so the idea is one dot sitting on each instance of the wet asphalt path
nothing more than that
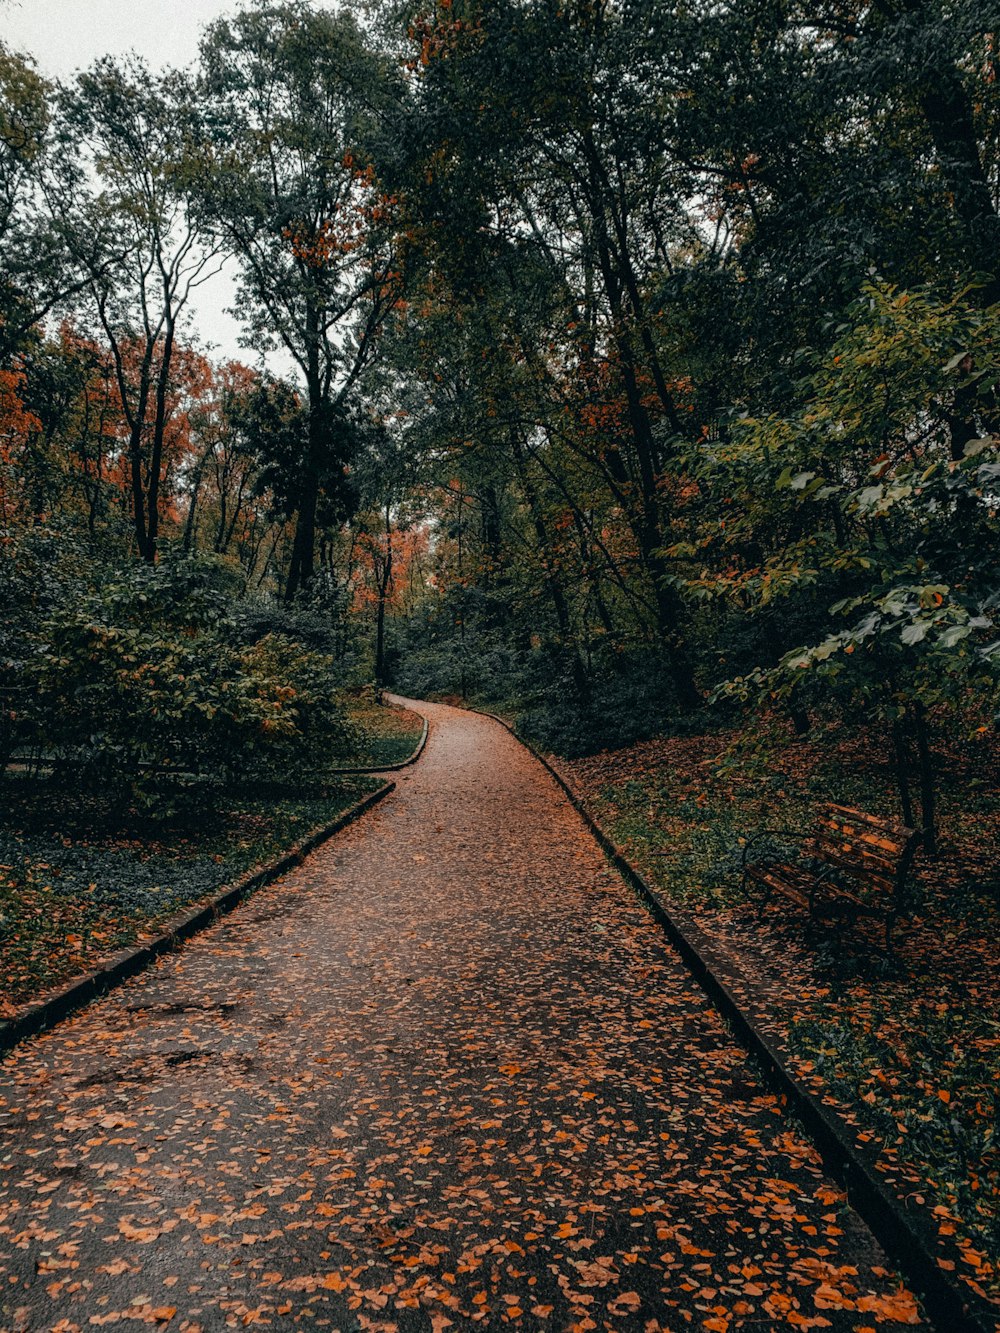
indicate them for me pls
(446, 1074)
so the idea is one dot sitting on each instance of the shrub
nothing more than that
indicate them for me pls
(141, 679)
(305, 727)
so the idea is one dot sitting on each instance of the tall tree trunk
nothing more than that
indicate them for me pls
(948, 113)
(626, 274)
(303, 561)
(189, 522)
(928, 794)
(648, 528)
(901, 767)
(135, 417)
(553, 586)
(380, 625)
(384, 585)
(156, 453)
(650, 537)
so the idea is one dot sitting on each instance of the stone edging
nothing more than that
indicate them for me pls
(907, 1238)
(63, 1000)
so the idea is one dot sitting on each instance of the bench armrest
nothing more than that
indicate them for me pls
(828, 874)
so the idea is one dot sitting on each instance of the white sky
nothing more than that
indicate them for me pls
(65, 35)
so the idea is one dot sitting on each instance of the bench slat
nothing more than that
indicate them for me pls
(887, 844)
(880, 874)
(794, 883)
(881, 824)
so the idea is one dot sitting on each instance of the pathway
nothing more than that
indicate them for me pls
(446, 1074)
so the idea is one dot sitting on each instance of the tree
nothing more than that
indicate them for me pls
(142, 243)
(37, 272)
(877, 513)
(295, 96)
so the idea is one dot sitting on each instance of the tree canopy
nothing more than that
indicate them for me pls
(641, 357)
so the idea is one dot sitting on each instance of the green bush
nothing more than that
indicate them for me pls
(140, 679)
(305, 728)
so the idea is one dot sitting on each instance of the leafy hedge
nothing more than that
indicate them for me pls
(139, 675)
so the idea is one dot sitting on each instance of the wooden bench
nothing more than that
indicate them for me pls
(852, 864)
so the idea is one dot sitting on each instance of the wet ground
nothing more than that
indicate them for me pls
(446, 1074)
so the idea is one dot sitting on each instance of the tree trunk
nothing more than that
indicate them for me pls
(135, 418)
(901, 769)
(303, 561)
(380, 640)
(948, 113)
(800, 719)
(156, 453)
(928, 804)
(198, 476)
(554, 588)
(384, 585)
(647, 528)
(189, 522)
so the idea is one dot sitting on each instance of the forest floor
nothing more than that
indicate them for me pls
(907, 1047)
(81, 877)
(446, 1073)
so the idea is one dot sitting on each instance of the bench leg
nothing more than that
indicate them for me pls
(890, 922)
(764, 898)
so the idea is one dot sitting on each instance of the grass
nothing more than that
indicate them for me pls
(908, 1046)
(80, 879)
(389, 735)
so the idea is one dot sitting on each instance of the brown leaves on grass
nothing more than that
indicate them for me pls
(77, 887)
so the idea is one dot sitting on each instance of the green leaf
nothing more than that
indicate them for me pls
(954, 634)
(915, 632)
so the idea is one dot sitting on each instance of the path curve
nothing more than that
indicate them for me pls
(446, 1074)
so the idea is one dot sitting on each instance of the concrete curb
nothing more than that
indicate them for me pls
(907, 1237)
(58, 1003)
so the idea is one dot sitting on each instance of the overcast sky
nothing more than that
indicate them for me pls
(64, 35)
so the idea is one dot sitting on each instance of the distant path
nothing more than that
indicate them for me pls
(447, 1073)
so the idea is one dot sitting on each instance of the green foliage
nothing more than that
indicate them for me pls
(24, 122)
(945, 1117)
(140, 681)
(303, 725)
(896, 523)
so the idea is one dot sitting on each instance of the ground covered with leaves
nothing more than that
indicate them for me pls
(81, 877)
(446, 1074)
(387, 734)
(907, 1046)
